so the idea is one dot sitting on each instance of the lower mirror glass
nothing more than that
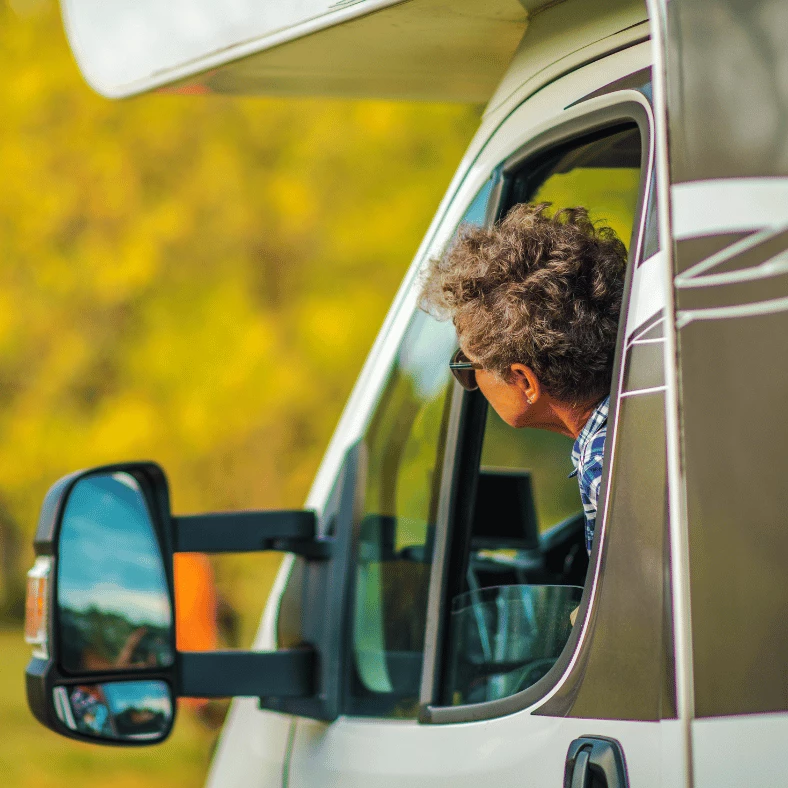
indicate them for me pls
(117, 711)
(505, 638)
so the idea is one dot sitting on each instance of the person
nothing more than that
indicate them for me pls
(535, 300)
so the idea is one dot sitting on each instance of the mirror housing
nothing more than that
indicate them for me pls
(100, 607)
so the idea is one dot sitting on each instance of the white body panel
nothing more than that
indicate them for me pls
(754, 741)
(510, 752)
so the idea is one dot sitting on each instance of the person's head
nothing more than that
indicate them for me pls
(535, 300)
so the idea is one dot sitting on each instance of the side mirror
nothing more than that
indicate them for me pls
(100, 609)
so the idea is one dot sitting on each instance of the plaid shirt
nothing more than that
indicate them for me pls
(587, 455)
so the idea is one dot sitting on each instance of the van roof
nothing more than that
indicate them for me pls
(446, 50)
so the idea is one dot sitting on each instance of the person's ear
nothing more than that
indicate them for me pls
(526, 381)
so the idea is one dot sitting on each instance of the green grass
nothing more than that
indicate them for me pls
(31, 756)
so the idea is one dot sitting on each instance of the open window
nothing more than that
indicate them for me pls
(516, 556)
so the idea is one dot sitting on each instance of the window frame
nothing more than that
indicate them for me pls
(465, 435)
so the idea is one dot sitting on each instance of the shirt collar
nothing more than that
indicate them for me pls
(597, 419)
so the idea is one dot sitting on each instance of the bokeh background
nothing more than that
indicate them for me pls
(194, 280)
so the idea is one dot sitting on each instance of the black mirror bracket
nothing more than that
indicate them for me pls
(288, 673)
(293, 531)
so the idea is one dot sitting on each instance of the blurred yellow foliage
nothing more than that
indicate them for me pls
(193, 280)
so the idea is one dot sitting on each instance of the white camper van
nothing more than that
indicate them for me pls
(418, 633)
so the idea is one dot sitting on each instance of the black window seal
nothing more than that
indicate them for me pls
(456, 481)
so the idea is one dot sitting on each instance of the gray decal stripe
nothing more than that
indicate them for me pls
(774, 265)
(724, 205)
(685, 317)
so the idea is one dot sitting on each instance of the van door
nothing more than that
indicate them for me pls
(602, 701)
(726, 169)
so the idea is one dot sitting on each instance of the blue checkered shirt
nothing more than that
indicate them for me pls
(587, 455)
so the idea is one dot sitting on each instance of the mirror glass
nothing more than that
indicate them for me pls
(114, 610)
(118, 711)
(505, 638)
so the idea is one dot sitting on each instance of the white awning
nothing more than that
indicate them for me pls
(453, 50)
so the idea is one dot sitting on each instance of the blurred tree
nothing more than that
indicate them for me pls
(193, 280)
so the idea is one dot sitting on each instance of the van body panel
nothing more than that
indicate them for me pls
(252, 749)
(722, 108)
(562, 38)
(514, 751)
(756, 741)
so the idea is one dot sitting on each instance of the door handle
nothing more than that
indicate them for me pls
(595, 762)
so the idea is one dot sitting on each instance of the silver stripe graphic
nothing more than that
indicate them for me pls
(688, 316)
(727, 205)
(635, 392)
(694, 276)
(648, 292)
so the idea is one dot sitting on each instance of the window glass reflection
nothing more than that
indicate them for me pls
(114, 606)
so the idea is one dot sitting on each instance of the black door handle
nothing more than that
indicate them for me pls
(595, 762)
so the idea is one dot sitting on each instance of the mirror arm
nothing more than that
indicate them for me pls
(292, 531)
(289, 673)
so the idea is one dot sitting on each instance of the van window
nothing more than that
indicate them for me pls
(404, 446)
(526, 561)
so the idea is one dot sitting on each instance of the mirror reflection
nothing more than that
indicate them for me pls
(117, 711)
(114, 609)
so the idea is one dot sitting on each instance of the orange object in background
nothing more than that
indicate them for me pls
(196, 601)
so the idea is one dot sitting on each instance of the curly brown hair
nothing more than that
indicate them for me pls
(538, 289)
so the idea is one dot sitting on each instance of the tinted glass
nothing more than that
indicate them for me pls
(505, 638)
(405, 452)
(405, 447)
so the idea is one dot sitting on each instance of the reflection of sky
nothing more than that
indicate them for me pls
(426, 360)
(478, 208)
(108, 554)
(139, 694)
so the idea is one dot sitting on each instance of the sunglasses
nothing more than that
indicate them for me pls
(464, 370)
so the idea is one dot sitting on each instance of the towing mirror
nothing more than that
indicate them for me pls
(100, 609)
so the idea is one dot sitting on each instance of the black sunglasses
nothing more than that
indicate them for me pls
(464, 370)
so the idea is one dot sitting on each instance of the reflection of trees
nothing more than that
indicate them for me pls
(94, 639)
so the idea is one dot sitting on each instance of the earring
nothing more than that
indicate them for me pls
(530, 401)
